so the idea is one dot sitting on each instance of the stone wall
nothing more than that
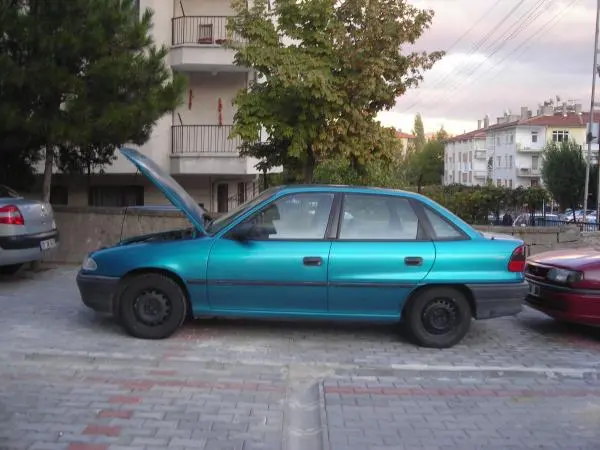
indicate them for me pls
(84, 229)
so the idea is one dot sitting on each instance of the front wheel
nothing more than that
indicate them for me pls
(438, 317)
(151, 306)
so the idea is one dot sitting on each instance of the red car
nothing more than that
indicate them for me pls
(565, 284)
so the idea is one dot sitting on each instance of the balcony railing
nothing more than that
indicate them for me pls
(202, 30)
(528, 172)
(187, 139)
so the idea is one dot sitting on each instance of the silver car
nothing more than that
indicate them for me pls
(27, 230)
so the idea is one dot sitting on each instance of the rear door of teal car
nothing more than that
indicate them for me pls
(382, 253)
(280, 272)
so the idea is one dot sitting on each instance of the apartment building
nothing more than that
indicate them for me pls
(465, 158)
(512, 147)
(405, 139)
(193, 142)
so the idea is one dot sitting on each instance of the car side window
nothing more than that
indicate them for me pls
(296, 216)
(371, 217)
(441, 228)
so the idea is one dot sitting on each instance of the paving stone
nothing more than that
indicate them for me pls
(225, 384)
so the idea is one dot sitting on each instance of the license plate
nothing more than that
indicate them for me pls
(48, 244)
(534, 290)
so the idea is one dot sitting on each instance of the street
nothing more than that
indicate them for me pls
(70, 379)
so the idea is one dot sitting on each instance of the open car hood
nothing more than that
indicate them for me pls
(168, 186)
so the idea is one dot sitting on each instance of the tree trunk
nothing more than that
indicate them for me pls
(309, 167)
(48, 173)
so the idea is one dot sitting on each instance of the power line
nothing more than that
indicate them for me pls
(521, 25)
(535, 35)
(475, 47)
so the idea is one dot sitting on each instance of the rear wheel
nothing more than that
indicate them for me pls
(438, 317)
(151, 306)
(10, 270)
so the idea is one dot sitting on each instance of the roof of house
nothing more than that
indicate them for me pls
(556, 120)
(403, 135)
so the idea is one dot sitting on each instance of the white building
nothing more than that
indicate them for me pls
(192, 143)
(465, 159)
(512, 147)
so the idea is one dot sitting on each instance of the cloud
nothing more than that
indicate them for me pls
(550, 53)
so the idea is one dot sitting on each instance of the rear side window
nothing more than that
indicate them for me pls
(371, 217)
(5, 192)
(443, 229)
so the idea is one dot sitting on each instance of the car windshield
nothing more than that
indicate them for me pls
(218, 224)
(5, 191)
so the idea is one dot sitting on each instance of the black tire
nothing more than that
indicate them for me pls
(151, 306)
(438, 317)
(10, 270)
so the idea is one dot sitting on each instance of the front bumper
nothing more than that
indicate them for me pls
(97, 292)
(565, 303)
(498, 300)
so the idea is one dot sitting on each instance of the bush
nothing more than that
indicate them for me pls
(474, 203)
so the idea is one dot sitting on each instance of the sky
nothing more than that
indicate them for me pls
(500, 55)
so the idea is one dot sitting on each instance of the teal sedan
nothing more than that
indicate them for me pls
(309, 252)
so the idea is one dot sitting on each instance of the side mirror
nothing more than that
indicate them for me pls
(248, 231)
(242, 232)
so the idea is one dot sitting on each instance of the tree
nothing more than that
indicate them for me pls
(563, 172)
(326, 69)
(418, 130)
(441, 135)
(91, 78)
(427, 165)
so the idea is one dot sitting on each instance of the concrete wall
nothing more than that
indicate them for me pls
(85, 229)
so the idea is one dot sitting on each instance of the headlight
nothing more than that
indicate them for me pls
(89, 264)
(564, 276)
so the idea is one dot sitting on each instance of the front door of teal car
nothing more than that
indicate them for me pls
(275, 261)
(381, 254)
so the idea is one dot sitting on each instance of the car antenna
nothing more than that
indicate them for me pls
(125, 212)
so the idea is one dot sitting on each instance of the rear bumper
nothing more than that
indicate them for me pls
(97, 292)
(27, 241)
(24, 248)
(567, 304)
(498, 300)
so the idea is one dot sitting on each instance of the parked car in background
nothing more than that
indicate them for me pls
(311, 252)
(565, 284)
(27, 230)
(537, 220)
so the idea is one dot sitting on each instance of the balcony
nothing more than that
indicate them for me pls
(479, 154)
(528, 172)
(207, 150)
(198, 45)
(479, 174)
(529, 148)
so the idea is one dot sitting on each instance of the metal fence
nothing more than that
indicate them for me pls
(202, 30)
(543, 222)
(203, 139)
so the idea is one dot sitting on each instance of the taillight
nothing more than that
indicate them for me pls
(10, 215)
(517, 259)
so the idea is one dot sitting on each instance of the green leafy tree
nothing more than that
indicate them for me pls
(441, 135)
(418, 131)
(427, 165)
(563, 172)
(321, 92)
(91, 78)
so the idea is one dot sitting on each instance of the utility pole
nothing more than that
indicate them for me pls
(591, 120)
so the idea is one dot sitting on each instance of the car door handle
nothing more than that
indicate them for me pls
(312, 261)
(413, 261)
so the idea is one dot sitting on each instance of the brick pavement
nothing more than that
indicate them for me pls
(70, 379)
